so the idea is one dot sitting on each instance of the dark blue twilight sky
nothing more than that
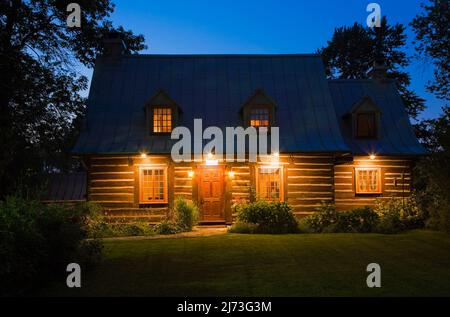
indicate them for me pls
(260, 26)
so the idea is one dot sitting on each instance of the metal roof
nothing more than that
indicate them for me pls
(213, 88)
(396, 135)
(66, 187)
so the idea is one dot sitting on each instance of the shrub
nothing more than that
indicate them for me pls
(242, 227)
(326, 216)
(268, 217)
(99, 227)
(398, 214)
(362, 220)
(37, 242)
(432, 174)
(167, 227)
(109, 230)
(327, 219)
(439, 211)
(186, 214)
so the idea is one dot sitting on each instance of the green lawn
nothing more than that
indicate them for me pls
(413, 264)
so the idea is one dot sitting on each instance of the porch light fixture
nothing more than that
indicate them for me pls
(372, 156)
(143, 155)
(275, 159)
(231, 174)
(191, 174)
(210, 161)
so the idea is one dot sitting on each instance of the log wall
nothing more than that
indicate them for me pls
(392, 182)
(113, 182)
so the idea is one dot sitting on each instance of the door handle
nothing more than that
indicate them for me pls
(202, 201)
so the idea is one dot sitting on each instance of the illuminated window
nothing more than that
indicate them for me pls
(368, 180)
(366, 125)
(259, 117)
(153, 185)
(162, 120)
(270, 183)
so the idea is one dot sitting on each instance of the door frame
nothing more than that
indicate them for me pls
(199, 174)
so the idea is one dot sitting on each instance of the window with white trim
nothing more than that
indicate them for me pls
(153, 185)
(368, 180)
(269, 183)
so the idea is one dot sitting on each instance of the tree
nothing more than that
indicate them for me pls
(433, 40)
(40, 102)
(433, 171)
(352, 50)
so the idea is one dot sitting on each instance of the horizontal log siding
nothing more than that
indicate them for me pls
(113, 184)
(391, 168)
(309, 181)
(238, 188)
(183, 184)
(241, 183)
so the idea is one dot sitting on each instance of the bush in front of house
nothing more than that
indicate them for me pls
(243, 227)
(99, 227)
(357, 220)
(183, 218)
(325, 217)
(38, 241)
(265, 217)
(112, 230)
(328, 220)
(167, 226)
(399, 214)
(389, 216)
(186, 214)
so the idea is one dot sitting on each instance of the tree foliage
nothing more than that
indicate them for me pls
(40, 85)
(352, 50)
(433, 40)
(433, 171)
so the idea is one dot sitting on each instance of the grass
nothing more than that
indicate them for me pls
(413, 264)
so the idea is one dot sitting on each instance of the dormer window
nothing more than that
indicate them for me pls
(259, 117)
(366, 125)
(162, 113)
(259, 110)
(366, 118)
(162, 120)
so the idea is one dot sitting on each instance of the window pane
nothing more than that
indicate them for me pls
(259, 117)
(153, 183)
(368, 181)
(365, 126)
(162, 120)
(269, 184)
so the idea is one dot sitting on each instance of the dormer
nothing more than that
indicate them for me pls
(366, 119)
(162, 113)
(259, 110)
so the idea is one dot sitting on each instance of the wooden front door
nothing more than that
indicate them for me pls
(211, 193)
